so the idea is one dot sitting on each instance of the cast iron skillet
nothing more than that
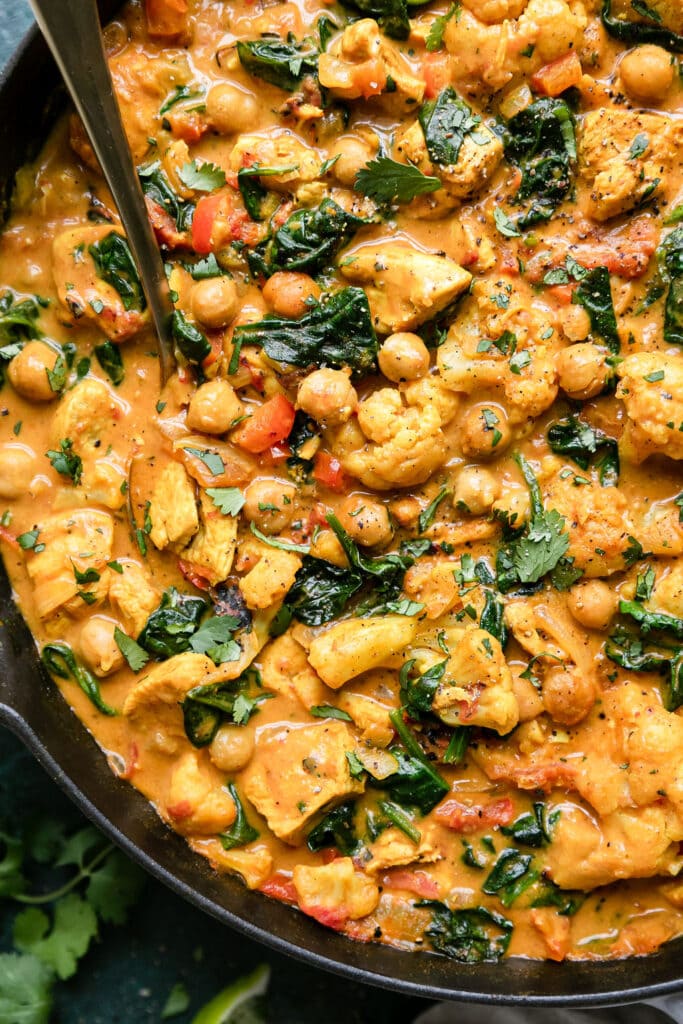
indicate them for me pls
(32, 706)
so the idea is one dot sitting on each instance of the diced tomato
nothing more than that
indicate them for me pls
(436, 71)
(280, 887)
(327, 470)
(329, 854)
(191, 573)
(275, 455)
(470, 818)
(215, 340)
(562, 292)
(180, 811)
(330, 917)
(203, 222)
(164, 226)
(508, 262)
(552, 79)
(166, 18)
(270, 423)
(9, 538)
(417, 881)
(187, 125)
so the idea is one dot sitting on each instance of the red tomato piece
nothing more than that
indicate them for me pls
(327, 470)
(552, 79)
(270, 423)
(417, 881)
(280, 887)
(471, 818)
(166, 18)
(436, 72)
(203, 222)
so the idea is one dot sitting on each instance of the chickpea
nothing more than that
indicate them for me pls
(403, 356)
(575, 322)
(215, 302)
(568, 695)
(28, 371)
(405, 510)
(213, 407)
(484, 432)
(289, 294)
(647, 72)
(582, 370)
(269, 503)
(230, 110)
(354, 154)
(231, 748)
(17, 468)
(365, 520)
(328, 396)
(475, 490)
(528, 699)
(98, 646)
(592, 603)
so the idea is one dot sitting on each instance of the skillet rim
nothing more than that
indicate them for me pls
(32, 707)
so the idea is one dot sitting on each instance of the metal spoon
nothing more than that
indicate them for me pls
(72, 31)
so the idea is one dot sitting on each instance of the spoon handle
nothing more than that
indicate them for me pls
(72, 31)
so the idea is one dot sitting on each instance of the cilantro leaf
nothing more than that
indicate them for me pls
(541, 549)
(386, 181)
(205, 177)
(74, 926)
(505, 224)
(435, 35)
(66, 461)
(25, 989)
(214, 638)
(136, 656)
(177, 1002)
(12, 855)
(114, 887)
(229, 500)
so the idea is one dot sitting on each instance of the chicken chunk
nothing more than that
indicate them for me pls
(405, 443)
(85, 293)
(271, 578)
(405, 286)
(153, 705)
(253, 863)
(651, 388)
(74, 541)
(625, 157)
(476, 688)
(173, 508)
(335, 893)
(279, 148)
(393, 849)
(85, 414)
(285, 670)
(296, 772)
(195, 804)
(362, 63)
(133, 596)
(213, 547)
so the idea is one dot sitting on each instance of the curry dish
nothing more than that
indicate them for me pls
(380, 599)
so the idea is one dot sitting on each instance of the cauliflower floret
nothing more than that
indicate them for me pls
(195, 804)
(133, 596)
(405, 287)
(335, 893)
(173, 508)
(651, 387)
(557, 27)
(491, 11)
(393, 849)
(213, 547)
(362, 62)
(477, 685)
(617, 176)
(73, 541)
(296, 771)
(667, 595)
(82, 292)
(353, 646)
(279, 148)
(405, 443)
(84, 414)
(598, 524)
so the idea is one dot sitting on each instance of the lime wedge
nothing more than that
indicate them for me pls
(239, 1003)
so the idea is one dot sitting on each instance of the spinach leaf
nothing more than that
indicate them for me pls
(457, 745)
(540, 140)
(109, 358)
(114, 264)
(387, 181)
(595, 295)
(308, 241)
(391, 15)
(321, 591)
(649, 31)
(394, 815)
(417, 695)
(281, 63)
(157, 188)
(493, 617)
(509, 867)
(670, 260)
(254, 195)
(18, 321)
(472, 936)
(415, 783)
(189, 339)
(59, 660)
(385, 572)
(629, 651)
(566, 901)
(169, 629)
(445, 122)
(533, 828)
(426, 517)
(336, 332)
(336, 829)
(240, 832)
(572, 437)
(652, 621)
(206, 707)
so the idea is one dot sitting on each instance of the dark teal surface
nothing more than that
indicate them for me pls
(126, 977)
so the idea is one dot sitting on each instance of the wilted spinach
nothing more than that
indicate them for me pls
(445, 123)
(670, 260)
(470, 936)
(580, 441)
(115, 265)
(308, 241)
(415, 783)
(336, 332)
(533, 828)
(336, 829)
(190, 340)
(540, 140)
(156, 187)
(59, 660)
(650, 30)
(205, 708)
(628, 650)
(281, 63)
(169, 629)
(417, 695)
(391, 15)
(321, 591)
(109, 357)
(595, 295)
(240, 832)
